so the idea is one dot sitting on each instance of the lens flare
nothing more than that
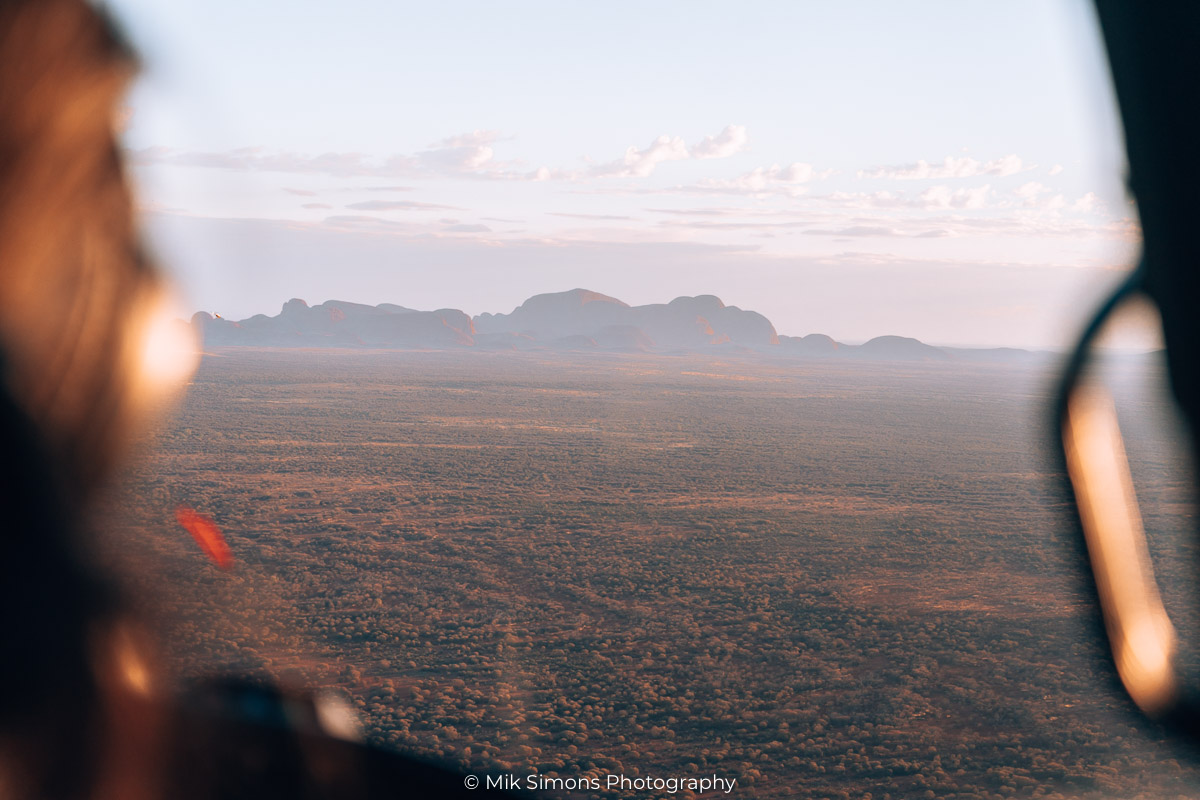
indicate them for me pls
(207, 535)
(1140, 632)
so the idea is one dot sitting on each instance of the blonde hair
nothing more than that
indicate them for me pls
(73, 276)
(74, 285)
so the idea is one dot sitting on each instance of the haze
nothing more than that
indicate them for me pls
(943, 171)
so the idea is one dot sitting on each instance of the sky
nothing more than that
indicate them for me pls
(945, 170)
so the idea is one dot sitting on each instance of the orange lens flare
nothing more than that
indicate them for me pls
(207, 535)
(1140, 632)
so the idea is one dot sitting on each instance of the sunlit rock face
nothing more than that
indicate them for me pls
(900, 348)
(558, 315)
(815, 345)
(685, 322)
(578, 320)
(338, 323)
(624, 337)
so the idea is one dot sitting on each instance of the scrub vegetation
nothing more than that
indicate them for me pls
(824, 579)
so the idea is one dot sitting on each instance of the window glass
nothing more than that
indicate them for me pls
(639, 391)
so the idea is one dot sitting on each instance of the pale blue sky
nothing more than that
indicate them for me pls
(472, 154)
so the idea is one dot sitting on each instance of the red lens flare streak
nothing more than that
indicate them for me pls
(207, 535)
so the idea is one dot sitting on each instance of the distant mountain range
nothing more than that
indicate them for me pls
(578, 320)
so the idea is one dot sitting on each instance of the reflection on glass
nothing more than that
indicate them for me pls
(1142, 637)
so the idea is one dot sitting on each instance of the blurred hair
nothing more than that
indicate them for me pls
(72, 274)
(73, 281)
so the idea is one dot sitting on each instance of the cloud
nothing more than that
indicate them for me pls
(788, 179)
(316, 205)
(589, 216)
(1029, 201)
(363, 221)
(258, 159)
(1039, 196)
(551, 174)
(857, 230)
(468, 152)
(868, 231)
(398, 205)
(698, 212)
(726, 143)
(640, 163)
(411, 230)
(880, 199)
(468, 228)
(1057, 168)
(951, 167)
(848, 295)
(466, 155)
(1055, 203)
(301, 192)
(910, 217)
(1087, 204)
(940, 197)
(389, 188)
(1030, 192)
(715, 225)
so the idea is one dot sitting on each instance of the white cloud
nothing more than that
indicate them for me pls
(941, 197)
(1057, 168)
(880, 199)
(258, 159)
(544, 173)
(595, 217)
(719, 225)
(1004, 166)
(950, 167)
(726, 143)
(469, 154)
(640, 163)
(466, 152)
(856, 230)
(1041, 197)
(467, 228)
(1031, 192)
(397, 205)
(1087, 204)
(788, 179)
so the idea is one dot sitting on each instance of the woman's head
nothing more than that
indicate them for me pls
(76, 291)
(78, 299)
